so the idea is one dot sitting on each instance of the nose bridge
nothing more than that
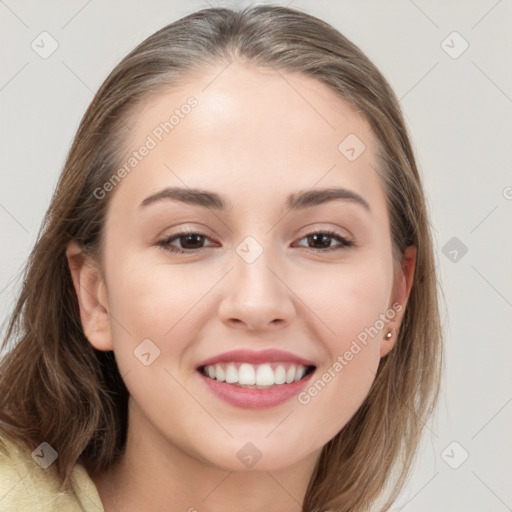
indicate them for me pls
(252, 267)
(255, 294)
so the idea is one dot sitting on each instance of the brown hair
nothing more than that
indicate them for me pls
(55, 387)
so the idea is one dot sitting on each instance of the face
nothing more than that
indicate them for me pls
(267, 271)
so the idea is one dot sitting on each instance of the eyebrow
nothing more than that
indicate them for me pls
(297, 201)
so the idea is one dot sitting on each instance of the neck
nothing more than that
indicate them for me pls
(156, 474)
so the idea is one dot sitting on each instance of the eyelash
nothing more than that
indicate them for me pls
(165, 243)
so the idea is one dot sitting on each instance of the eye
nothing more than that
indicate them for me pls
(190, 242)
(324, 239)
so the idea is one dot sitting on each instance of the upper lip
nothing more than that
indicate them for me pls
(253, 357)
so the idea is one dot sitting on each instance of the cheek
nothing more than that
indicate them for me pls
(159, 303)
(350, 299)
(352, 304)
(148, 301)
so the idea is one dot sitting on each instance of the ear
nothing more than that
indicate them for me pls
(401, 291)
(92, 298)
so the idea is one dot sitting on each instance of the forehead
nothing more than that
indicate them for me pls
(235, 128)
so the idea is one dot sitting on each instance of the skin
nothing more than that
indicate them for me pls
(254, 139)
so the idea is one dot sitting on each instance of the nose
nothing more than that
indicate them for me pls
(256, 296)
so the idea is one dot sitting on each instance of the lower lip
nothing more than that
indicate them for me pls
(248, 398)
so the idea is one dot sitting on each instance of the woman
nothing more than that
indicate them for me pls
(232, 303)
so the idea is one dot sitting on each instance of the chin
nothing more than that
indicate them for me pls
(256, 455)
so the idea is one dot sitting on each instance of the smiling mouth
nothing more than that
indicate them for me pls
(262, 376)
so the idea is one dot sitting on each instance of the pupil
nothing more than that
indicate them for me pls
(190, 238)
(320, 237)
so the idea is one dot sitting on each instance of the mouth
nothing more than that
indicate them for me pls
(251, 379)
(256, 376)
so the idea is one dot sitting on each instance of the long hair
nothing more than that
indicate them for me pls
(55, 387)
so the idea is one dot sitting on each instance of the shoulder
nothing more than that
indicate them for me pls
(26, 484)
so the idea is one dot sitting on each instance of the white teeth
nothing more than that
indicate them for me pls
(219, 373)
(246, 375)
(263, 375)
(231, 374)
(300, 373)
(280, 375)
(290, 374)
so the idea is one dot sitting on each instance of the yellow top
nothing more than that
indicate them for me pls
(26, 486)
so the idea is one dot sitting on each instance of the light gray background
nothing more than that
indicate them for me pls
(459, 114)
